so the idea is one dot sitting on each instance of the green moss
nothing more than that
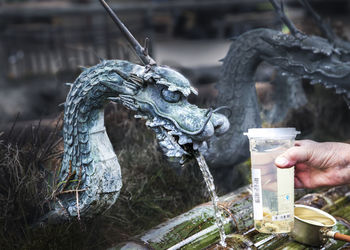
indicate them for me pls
(343, 212)
(278, 241)
(338, 204)
(293, 245)
(185, 230)
(259, 237)
(208, 239)
(244, 170)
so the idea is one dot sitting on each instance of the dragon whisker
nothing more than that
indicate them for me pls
(224, 108)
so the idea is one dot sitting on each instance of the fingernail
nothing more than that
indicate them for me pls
(281, 161)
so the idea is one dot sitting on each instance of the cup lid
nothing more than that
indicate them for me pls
(272, 133)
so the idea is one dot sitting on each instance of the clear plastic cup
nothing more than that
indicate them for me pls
(273, 188)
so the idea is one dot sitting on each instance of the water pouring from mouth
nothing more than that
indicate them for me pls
(209, 181)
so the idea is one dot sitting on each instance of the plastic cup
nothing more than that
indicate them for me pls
(273, 188)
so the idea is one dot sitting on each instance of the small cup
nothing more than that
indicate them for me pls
(311, 224)
(273, 188)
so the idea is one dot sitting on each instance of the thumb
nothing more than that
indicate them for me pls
(292, 156)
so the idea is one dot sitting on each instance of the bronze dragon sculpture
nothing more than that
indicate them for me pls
(89, 180)
(159, 95)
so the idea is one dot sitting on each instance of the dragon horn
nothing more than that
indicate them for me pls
(140, 51)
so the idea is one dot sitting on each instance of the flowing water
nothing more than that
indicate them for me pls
(209, 181)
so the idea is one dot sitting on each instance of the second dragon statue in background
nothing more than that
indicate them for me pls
(321, 60)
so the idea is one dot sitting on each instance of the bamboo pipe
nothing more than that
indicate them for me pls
(338, 236)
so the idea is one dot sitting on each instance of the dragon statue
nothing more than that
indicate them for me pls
(90, 177)
(89, 180)
(321, 60)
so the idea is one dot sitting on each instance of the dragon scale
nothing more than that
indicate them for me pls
(88, 153)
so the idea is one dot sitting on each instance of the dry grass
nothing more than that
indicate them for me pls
(23, 181)
(152, 190)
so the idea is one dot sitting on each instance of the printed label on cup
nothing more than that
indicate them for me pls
(257, 194)
(281, 217)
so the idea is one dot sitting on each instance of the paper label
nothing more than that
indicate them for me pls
(281, 217)
(257, 194)
(285, 190)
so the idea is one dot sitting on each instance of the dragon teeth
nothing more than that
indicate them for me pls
(174, 132)
(184, 140)
(203, 147)
(169, 127)
(175, 153)
(152, 124)
(140, 116)
(164, 133)
(169, 146)
(171, 153)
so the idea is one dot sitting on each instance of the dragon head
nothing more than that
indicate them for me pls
(159, 95)
(179, 125)
(310, 57)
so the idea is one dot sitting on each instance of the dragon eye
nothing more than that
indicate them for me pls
(170, 96)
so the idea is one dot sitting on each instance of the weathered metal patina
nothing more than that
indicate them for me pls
(90, 177)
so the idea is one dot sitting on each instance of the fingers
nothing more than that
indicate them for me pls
(298, 183)
(292, 156)
(303, 142)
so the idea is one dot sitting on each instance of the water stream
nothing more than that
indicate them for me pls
(209, 181)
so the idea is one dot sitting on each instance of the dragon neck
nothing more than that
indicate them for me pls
(237, 84)
(89, 161)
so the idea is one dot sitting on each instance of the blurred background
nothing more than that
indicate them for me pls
(43, 44)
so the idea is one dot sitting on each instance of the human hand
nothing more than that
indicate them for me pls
(317, 164)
